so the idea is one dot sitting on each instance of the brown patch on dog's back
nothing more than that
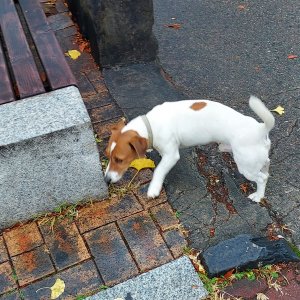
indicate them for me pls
(198, 105)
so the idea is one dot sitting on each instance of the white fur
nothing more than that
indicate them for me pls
(176, 125)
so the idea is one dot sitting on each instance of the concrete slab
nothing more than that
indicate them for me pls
(175, 280)
(48, 155)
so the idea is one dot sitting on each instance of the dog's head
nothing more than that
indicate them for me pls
(122, 149)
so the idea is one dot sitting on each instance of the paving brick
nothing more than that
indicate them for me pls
(83, 62)
(175, 241)
(60, 21)
(96, 100)
(66, 32)
(289, 292)
(111, 254)
(32, 265)
(23, 238)
(143, 177)
(60, 6)
(7, 282)
(105, 113)
(141, 193)
(65, 244)
(107, 211)
(85, 87)
(246, 289)
(3, 252)
(103, 129)
(79, 280)
(144, 240)
(11, 296)
(164, 216)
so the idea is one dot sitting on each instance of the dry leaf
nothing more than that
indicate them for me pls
(244, 187)
(74, 54)
(142, 163)
(57, 289)
(292, 56)
(242, 7)
(261, 296)
(279, 109)
(229, 274)
(83, 45)
(174, 26)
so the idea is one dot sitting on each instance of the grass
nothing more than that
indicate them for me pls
(216, 285)
(62, 212)
(101, 288)
(295, 249)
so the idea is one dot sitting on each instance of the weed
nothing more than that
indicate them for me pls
(295, 249)
(187, 250)
(97, 139)
(177, 214)
(215, 285)
(63, 211)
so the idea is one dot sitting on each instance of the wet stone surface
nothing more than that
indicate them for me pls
(245, 252)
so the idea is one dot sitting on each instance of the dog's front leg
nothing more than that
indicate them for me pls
(167, 162)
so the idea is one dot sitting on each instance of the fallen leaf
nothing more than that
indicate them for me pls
(228, 274)
(174, 26)
(74, 54)
(83, 45)
(57, 289)
(244, 187)
(292, 56)
(142, 163)
(212, 232)
(279, 109)
(261, 296)
(242, 7)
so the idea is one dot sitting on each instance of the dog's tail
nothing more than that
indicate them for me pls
(261, 110)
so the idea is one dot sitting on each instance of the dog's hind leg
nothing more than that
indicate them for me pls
(261, 181)
(259, 175)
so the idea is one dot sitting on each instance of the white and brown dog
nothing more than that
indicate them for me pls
(173, 125)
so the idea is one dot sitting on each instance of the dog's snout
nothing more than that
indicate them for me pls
(107, 179)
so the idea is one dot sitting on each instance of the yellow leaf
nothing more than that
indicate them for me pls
(74, 54)
(57, 289)
(261, 296)
(142, 163)
(279, 109)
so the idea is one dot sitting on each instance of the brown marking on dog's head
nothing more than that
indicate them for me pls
(115, 132)
(198, 105)
(129, 145)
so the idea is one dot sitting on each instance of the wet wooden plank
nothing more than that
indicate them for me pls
(6, 91)
(25, 71)
(53, 59)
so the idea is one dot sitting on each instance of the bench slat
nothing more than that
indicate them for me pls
(25, 71)
(6, 91)
(58, 71)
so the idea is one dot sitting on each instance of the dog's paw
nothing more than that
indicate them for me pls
(255, 197)
(153, 191)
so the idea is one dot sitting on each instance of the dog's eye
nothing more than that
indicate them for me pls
(118, 160)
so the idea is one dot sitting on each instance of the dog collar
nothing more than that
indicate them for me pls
(149, 130)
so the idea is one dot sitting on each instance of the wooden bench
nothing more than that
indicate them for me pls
(31, 60)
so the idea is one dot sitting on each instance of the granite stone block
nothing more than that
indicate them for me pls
(48, 155)
(175, 280)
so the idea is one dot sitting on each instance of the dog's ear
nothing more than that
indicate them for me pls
(118, 126)
(139, 144)
(115, 132)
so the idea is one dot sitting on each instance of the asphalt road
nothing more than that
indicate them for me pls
(225, 51)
